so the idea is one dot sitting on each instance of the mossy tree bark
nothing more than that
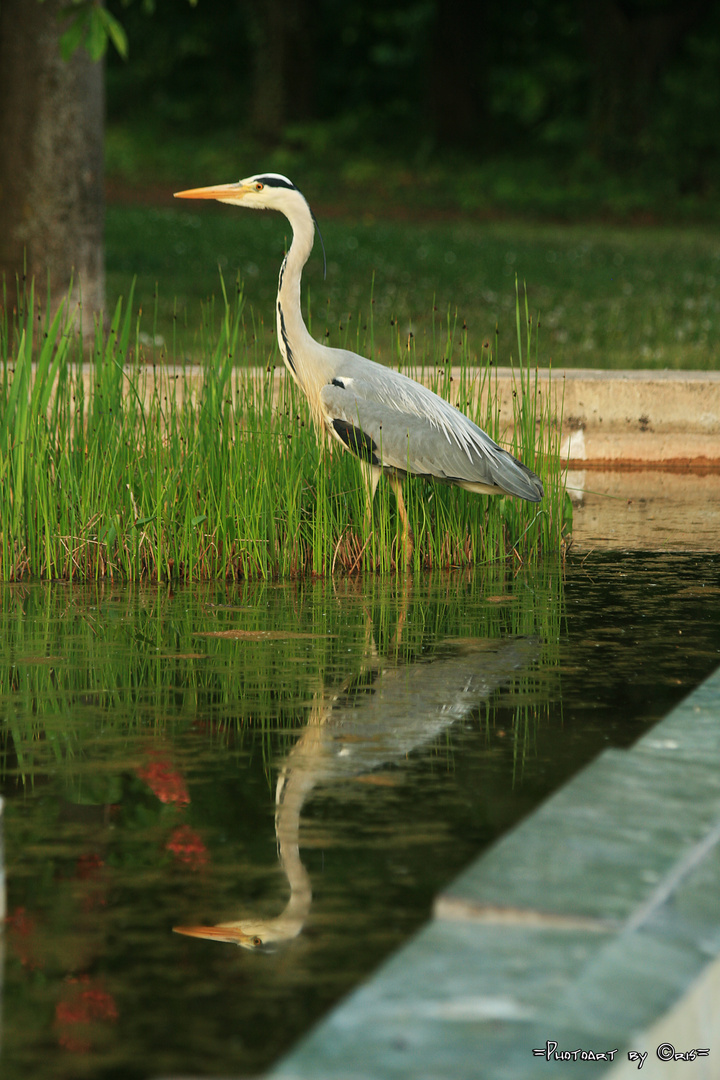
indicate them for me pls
(51, 165)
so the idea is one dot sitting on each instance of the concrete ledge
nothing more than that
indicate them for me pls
(668, 417)
(608, 417)
(592, 927)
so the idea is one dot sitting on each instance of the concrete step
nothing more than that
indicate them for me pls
(609, 418)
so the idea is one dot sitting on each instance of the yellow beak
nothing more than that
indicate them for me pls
(219, 191)
(232, 934)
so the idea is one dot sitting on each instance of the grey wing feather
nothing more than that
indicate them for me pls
(417, 432)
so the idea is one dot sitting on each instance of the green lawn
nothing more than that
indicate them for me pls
(607, 296)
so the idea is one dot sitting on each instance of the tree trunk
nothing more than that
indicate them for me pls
(51, 165)
(457, 97)
(629, 47)
(281, 34)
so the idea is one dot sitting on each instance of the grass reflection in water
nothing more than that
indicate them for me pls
(144, 734)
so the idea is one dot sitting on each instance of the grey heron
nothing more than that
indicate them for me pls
(390, 422)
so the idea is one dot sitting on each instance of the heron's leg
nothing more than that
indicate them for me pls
(371, 475)
(408, 539)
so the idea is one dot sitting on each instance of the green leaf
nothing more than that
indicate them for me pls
(198, 520)
(115, 32)
(97, 38)
(74, 34)
(94, 26)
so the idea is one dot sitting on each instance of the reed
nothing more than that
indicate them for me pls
(106, 474)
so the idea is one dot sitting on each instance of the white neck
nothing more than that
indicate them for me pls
(293, 790)
(307, 361)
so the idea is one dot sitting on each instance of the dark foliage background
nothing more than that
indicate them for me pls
(632, 88)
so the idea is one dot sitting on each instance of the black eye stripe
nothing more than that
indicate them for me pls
(273, 181)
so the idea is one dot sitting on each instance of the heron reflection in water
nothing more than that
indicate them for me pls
(370, 723)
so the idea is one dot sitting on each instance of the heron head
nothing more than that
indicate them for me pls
(266, 191)
(254, 934)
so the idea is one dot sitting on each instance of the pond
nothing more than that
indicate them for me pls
(310, 762)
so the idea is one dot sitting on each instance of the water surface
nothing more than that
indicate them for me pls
(311, 762)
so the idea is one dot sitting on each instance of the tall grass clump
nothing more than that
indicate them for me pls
(115, 466)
